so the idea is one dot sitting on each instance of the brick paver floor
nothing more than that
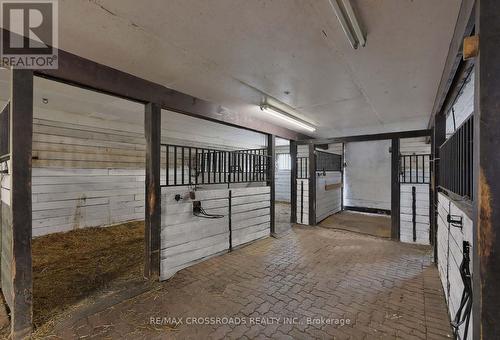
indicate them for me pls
(312, 283)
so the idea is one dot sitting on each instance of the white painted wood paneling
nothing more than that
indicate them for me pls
(303, 201)
(328, 202)
(187, 239)
(450, 253)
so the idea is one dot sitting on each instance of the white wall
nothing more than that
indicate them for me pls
(464, 106)
(368, 175)
(283, 173)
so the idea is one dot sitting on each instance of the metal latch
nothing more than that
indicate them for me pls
(455, 221)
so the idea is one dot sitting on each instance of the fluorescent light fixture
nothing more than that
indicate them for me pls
(278, 113)
(349, 22)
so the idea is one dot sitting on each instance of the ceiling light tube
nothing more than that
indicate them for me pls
(278, 113)
(354, 22)
(343, 23)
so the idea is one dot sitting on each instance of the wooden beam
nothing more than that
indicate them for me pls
(486, 234)
(365, 138)
(395, 190)
(152, 126)
(293, 181)
(438, 138)
(21, 134)
(85, 73)
(271, 151)
(463, 28)
(312, 185)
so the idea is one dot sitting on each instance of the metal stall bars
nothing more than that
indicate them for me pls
(186, 165)
(457, 162)
(328, 161)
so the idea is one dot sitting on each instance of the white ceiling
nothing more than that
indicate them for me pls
(236, 52)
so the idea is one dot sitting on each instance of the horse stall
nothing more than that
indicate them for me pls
(215, 196)
(88, 195)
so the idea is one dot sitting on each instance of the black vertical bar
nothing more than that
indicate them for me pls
(18, 289)
(230, 213)
(404, 169)
(271, 181)
(302, 202)
(293, 181)
(182, 165)
(342, 161)
(168, 165)
(190, 171)
(414, 212)
(229, 154)
(411, 170)
(416, 168)
(312, 185)
(203, 166)
(197, 166)
(175, 165)
(395, 190)
(152, 125)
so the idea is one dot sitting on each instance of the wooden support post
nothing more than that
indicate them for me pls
(395, 190)
(293, 182)
(312, 185)
(342, 178)
(152, 125)
(438, 138)
(271, 181)
(20, 294)
(486, 247)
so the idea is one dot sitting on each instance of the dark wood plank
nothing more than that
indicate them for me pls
(395, 190)
(152, 127)
(312, 185)
(21, 149)
(366, 138)
(271, 152)
(486, 245)
(293, 181)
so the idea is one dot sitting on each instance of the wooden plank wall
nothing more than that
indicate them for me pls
(85, 176)
(328, 202)
(6, 236)
(187, 239)
(411, 146)
(450, 253)
(283, 189)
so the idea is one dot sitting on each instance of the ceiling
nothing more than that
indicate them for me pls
(238, 52)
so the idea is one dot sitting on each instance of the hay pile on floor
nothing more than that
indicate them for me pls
(69, 267)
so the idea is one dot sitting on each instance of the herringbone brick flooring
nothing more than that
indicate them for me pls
(312, 283)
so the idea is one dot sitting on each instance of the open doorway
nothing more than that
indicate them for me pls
(88, 173)
(283, 186)
(366, 189)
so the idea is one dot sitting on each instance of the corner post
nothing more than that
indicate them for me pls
(293, 181)
(271, 181)
(152, 127)
(438, 138)
(486, 245)
(20, 294)
(395, 190)
(312, 184)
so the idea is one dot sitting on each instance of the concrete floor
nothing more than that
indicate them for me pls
(311, 283)
(282, 215)
(370, 224)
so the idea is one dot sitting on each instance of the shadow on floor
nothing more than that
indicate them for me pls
(370, 224)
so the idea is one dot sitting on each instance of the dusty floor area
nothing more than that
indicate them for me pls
(282, 213)
(312, 283)
(71, 268)
(370, 224)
